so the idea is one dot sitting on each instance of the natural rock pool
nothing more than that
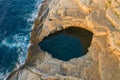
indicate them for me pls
(66, 44)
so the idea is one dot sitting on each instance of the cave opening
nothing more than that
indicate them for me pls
(66, 44)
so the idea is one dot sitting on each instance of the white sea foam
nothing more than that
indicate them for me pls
(22, 44)
(30, 20)
(4, 76)
(21, 41)
(34, 13)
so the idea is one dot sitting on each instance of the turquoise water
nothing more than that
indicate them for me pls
(16, 19)
(67, 44)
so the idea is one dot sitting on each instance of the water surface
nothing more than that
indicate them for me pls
(67, 44)
(16, 19)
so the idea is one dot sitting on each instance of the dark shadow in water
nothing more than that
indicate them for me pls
(66, 44)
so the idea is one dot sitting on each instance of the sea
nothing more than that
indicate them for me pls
(16, 21)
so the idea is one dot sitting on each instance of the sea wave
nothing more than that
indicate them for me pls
(3, 76)
(20, 40)
(34, 13)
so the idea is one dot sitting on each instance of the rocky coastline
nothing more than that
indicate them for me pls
(102, 61)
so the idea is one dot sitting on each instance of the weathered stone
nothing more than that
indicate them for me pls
(102, 62)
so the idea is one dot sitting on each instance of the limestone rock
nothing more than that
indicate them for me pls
(102, 62)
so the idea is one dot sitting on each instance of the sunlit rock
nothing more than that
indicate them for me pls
(101, 62)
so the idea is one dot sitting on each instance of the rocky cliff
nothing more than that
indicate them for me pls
(102, 62)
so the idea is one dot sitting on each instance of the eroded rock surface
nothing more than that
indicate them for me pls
(102, 62)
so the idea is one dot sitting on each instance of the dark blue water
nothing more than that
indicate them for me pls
(66, 44)
(16, 19)
(63, 46)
